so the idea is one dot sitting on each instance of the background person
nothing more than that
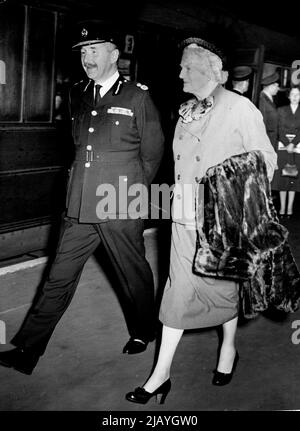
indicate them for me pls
(288, 151)
(241, 79)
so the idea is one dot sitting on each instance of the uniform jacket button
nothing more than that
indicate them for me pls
(88, 147)
(94, 113)
(91, 129)
(87, 164)
(198, 158)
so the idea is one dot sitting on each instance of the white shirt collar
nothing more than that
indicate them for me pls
(106, 85)
(268, 95)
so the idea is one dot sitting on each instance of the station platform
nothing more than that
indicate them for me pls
(84, 368)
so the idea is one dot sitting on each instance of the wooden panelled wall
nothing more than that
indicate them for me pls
(32, 152)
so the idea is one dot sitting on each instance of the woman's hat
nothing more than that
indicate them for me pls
(204, 44)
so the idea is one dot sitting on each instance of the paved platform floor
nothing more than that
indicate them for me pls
(84, 368)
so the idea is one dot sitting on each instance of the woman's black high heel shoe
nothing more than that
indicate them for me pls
(141, 396)
(222, 379)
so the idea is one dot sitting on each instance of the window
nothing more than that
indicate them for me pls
(27, 51)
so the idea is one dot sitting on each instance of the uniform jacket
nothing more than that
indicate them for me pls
(270, 115)
(240, 238)
(288, 123)
(118, 143)
(233, 126)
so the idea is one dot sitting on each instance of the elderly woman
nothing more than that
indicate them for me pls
(288, 151)
(213, 125)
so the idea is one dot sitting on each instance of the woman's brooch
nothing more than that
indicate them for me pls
(194, 109)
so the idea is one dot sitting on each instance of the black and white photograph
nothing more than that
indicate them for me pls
(150, 214)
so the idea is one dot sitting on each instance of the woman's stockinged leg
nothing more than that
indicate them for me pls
(282, 202)
(291, 197)
(169, 342)
(228, 350)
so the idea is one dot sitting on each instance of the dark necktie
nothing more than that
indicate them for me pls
(97, 94)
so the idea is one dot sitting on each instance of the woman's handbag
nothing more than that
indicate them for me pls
(290, 169)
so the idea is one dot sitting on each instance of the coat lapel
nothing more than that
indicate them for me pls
(268, 100)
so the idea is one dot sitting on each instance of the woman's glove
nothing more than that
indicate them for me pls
(290, 148)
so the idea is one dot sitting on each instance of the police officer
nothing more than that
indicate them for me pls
(240, 79)
(119, 143)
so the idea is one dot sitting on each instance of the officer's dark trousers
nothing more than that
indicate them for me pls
(124, 243)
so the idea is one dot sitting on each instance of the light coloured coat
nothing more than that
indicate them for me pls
(233, 126)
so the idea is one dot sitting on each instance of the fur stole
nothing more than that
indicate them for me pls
(240, 238)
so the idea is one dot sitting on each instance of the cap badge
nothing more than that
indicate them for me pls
(84, 32)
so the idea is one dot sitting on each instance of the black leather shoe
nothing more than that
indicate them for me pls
(141, 396)
(222, 379)
(135, 345)
(23, 360)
